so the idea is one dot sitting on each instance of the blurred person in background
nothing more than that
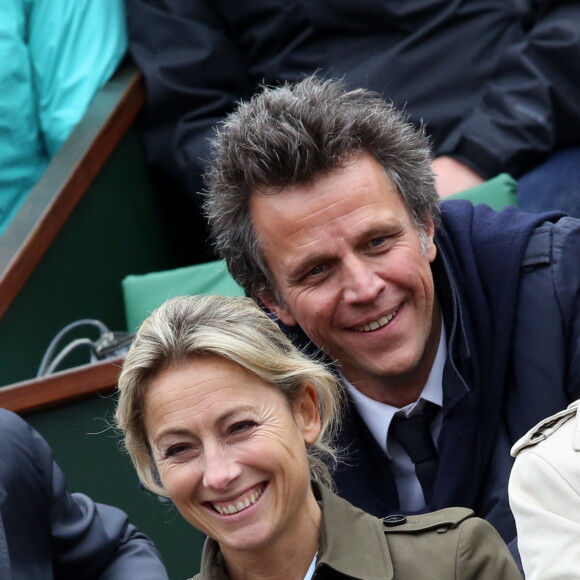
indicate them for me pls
(54, 55)
(495, 81)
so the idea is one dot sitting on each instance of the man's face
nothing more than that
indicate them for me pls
(350, 269)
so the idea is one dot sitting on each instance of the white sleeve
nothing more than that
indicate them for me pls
(544, 492)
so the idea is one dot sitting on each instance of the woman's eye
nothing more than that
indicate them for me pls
(241, 427)
(175, 450)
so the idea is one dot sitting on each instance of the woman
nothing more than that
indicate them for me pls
(226, 418)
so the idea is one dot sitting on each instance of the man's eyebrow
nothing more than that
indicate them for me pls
(302, 265)
(384, 229)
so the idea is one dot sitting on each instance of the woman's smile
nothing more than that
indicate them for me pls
(241, 503)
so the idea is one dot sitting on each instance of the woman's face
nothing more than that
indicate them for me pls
(231, 453)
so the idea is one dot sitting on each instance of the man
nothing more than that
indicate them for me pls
(47, 533)
(323, 204)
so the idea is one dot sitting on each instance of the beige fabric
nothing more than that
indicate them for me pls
(544, 492)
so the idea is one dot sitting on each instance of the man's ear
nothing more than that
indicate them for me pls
(431, 249)
(280, 311)
(306, 415)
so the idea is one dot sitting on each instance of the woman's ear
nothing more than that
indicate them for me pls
(306, 413)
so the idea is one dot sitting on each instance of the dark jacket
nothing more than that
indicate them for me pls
(509, 289)
(495, 80)
(354, 545)
(47, 533)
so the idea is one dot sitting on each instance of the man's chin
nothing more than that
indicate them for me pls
(380, 381)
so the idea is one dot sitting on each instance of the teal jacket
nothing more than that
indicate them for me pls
(55, 55)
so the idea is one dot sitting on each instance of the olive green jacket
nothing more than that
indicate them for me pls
(447, 544)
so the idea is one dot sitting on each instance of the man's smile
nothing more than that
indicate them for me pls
(375, 324)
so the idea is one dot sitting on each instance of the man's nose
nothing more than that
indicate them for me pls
(361, 282)
(220, 469)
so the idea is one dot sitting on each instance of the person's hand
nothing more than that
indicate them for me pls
(452, 176)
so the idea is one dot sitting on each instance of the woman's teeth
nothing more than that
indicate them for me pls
(239, 505)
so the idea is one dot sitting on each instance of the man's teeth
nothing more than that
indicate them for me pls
(240, 505)
(378, 323)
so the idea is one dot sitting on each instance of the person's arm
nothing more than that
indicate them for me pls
(530, 105)
(482, 554)
(452, 176)
(194, 73)
(75, 46)
(547, 510)
(87, 540)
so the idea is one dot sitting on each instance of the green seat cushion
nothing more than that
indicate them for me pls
(498, 192)
(144, 293)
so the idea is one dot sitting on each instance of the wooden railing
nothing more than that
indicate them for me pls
(42, 216)
(62, 387)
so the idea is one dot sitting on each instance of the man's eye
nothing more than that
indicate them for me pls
(316, 270)
(376, 242)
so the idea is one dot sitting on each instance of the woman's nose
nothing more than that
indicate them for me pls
(220, 470)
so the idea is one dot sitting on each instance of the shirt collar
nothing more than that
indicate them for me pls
(378, 416)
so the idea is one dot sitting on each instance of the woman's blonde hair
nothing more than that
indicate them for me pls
(234, 328)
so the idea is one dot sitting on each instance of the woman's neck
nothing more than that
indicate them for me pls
(288, 557)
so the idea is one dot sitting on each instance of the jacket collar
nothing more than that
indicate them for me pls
(212, 562)
(450, 302)
(457, 366)
(352, 542)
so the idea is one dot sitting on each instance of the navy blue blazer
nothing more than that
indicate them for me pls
(47, 533)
